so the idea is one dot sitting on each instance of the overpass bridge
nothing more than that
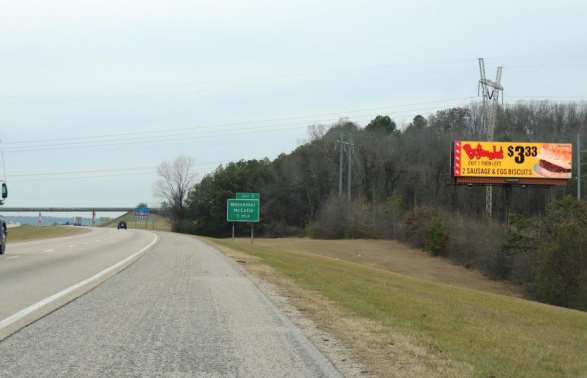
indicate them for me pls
(92, 210)
(67, 209)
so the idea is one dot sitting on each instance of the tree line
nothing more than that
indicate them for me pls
(402, 188)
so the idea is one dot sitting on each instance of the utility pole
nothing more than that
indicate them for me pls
(340, 145)
(579, 166)
(490, 92)
(348, 147)
(350, 155)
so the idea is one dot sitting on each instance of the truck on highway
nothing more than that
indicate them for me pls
(3, 226)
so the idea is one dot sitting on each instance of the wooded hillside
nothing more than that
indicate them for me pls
(402, 188)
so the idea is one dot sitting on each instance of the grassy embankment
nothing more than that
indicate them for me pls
(27, 232)
(407, 314)
(155, 222)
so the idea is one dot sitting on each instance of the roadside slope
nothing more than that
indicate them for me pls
(422, 326)
(395, 257)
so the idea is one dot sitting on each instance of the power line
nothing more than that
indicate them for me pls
(88, 171)
(176, 137)
(99, 173)
(172, 138)
(102, 170)
(91, 174)
(160, 140)
(44, 179)
(164, 132)
(549, 97)
(145, 136)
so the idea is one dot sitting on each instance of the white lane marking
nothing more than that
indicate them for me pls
(71, 245)
(12, 257)
(32, 308)
(48, 250)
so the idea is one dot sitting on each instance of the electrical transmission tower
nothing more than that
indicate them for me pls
(491, 92)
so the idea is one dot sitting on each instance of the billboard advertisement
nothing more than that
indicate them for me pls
(511, 162)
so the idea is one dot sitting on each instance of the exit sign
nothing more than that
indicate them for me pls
(240, 195)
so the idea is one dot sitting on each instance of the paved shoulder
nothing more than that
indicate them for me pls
(181, 310)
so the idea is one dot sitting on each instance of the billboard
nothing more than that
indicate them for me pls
(487, 162)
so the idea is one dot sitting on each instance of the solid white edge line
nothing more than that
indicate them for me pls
(32, 308)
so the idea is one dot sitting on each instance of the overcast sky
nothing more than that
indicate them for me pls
(95, 94)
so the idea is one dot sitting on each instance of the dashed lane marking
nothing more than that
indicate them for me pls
(8, 322)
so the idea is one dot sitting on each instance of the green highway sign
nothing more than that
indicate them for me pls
(240, 195)
(242, 210)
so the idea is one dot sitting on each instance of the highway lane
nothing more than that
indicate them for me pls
(32, 271)
(182, 310)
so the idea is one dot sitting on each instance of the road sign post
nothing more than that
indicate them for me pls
(246, 207)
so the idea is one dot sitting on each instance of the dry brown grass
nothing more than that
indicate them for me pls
(27, 233)
(394, 257)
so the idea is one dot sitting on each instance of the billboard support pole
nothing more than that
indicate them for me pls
(232, 230)
(252, 232)
(508, 203)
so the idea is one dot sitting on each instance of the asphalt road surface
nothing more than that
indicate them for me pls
(32, 271)
(181, 310)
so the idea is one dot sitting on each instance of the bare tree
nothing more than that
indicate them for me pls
(175, 182)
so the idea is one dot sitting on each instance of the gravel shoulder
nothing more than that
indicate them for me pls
(281, 293)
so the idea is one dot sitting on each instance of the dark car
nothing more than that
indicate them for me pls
(121, 225)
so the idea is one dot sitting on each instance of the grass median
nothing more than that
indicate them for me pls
(415, 323)
(28, 233)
